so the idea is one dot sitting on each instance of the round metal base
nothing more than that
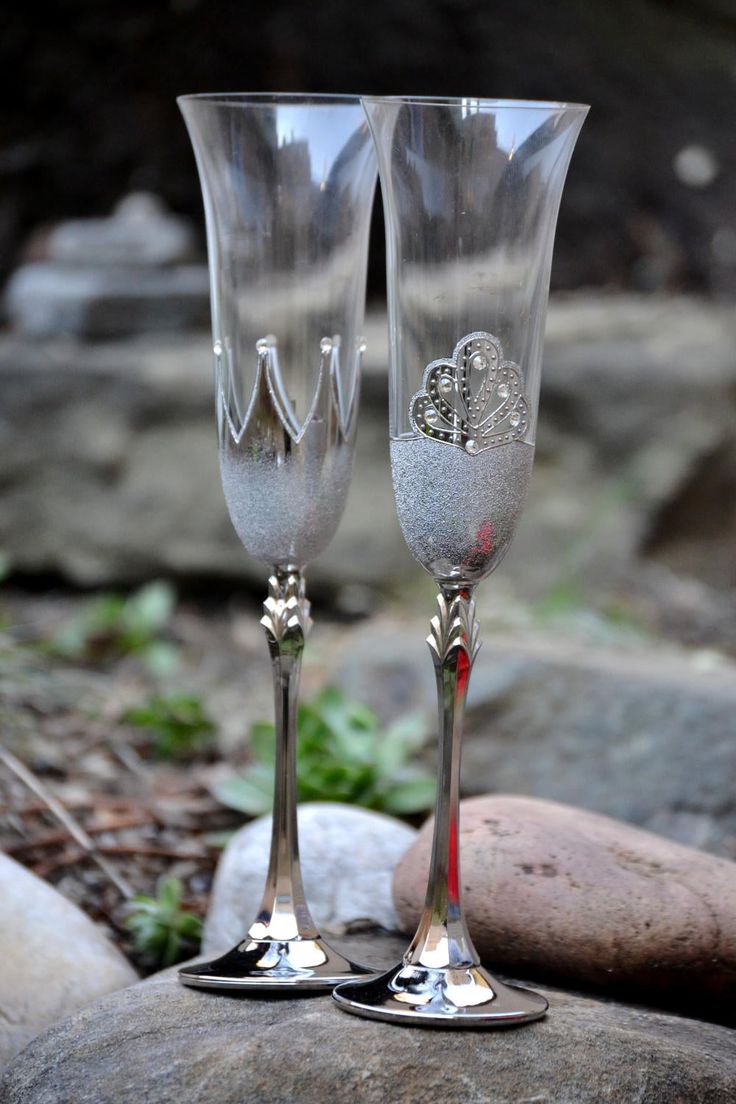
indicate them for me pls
(464, 997)
(294, 963)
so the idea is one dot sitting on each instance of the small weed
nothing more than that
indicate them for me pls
(111, 626)
(342, 755)
(163, 931)
(178, 723)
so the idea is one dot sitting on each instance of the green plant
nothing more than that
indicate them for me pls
(179, 724)
(342, 755)
(110, 626)
(163, 931)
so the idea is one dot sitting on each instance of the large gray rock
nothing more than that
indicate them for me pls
(164, 1044)
(54, 959)
(140, 231)
(553, 890)
(348, 857)
(109, 277)
(110, 471)
(638, 399)
(109, 460)
(643, 737)
(47, 299)
(642, 734)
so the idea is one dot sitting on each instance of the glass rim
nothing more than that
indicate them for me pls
(269, 99)
(477, 101)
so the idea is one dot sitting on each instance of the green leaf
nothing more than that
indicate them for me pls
(160, 657)
(109, 626)
(170, 893)
(151, 608)
(244, 795)
(179, 724)
(262, 741)
(400, 741)
(163, 931)
(414, 796)
(342, 755)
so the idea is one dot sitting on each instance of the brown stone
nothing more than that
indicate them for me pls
(552, 890)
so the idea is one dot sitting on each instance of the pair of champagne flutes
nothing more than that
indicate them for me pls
(471, 190)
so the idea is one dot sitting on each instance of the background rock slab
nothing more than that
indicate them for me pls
(638, 733)
(164, 1044)
(110, 469)
(645, 738)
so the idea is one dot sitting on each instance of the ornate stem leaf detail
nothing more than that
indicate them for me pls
(475, 400)
(454, 628)
(286, 610)
(270, 407)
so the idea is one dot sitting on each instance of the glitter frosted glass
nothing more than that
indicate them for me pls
(458, 512)
(286, 513)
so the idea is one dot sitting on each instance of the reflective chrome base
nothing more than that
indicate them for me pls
(448, 997)
(267, 964)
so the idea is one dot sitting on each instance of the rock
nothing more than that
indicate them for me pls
(347, 855)
(610, 731)
(48, 299)
(115, 479)
(386, 665)
(164, 1043)
(556, 891)
(703, 511)
(109, 277)
(55, 959)
(641, 732)
(139, 232)
(110, 471)
(637, 403)
(642, 736)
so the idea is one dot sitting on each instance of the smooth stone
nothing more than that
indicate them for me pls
(552, 890)
(348, 857)
(54, 959)
(162, 1042)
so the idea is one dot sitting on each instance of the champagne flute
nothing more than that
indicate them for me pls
(471, 190)
(288, 183)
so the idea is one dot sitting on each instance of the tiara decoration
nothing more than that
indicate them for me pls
(475, 400)
(270, 407)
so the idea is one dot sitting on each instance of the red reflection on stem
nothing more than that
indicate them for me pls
(453, 865)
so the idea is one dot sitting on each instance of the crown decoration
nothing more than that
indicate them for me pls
(270, 406)
(475, 400)
(454, 628)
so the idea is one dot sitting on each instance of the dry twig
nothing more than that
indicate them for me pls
(65, 818)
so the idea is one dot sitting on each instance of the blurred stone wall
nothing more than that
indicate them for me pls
(649, 204)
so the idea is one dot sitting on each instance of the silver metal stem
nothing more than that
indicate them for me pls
(282, 947)
(284, 913)
(442, 938)
(440, 979)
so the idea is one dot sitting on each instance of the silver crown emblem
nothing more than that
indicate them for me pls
(475, 400)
